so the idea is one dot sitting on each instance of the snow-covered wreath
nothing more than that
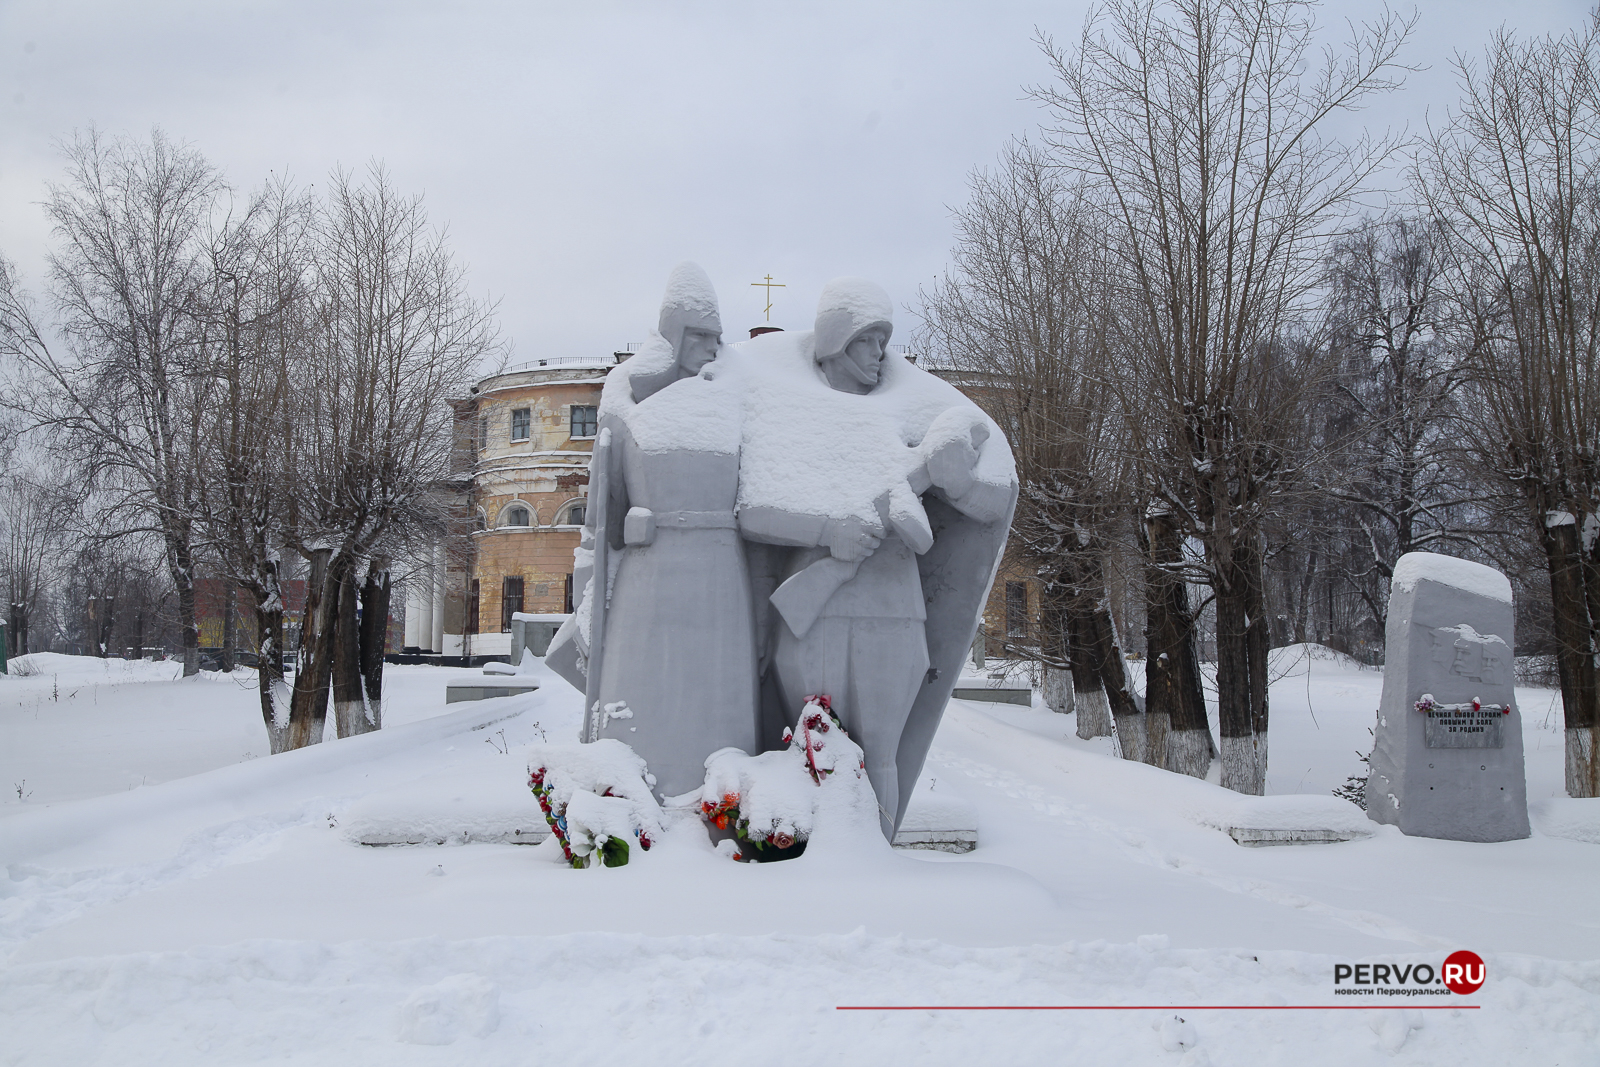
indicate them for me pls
(597, 797)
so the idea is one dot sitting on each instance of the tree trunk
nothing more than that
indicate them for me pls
(1096, 635)
(1057, 690)
(374, 639)
(1575, 656)
(274, 691)
(1303, 605)
(1057, 684)
(1126, 710)
(1241, 666)
(180, 562)
(1088, 688)
(308, 704)
(230, 626)
(1258, 647)
(1172, 667)
(348, 707)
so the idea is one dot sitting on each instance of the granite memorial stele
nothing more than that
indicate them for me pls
(1448, 762)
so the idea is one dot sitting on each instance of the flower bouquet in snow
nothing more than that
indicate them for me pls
(596, 798)
(770, 801)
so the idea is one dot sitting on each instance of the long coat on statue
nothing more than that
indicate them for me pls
(810, 453)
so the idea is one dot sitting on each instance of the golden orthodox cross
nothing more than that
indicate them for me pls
(769, 285)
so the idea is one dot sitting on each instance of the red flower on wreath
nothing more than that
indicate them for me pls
(723, 812)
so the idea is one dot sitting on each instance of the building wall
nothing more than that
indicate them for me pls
(541, 558)
(548, 474)
(1013, 570)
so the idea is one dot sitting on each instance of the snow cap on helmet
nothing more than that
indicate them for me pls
(850, 306)
(689, 303)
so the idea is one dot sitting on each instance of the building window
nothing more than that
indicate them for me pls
(521, 423)
(472, 606)
(1016, 608)
(483, 433)
(572, 514)
(566, 600)
(585, 420)
(510, 602)
(516, 515)
(480, 521)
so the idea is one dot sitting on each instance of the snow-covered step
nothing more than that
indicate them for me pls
(937, 840)
(994, 690)
(488, 689)
(449, 809)
(514, 836)
(456, 809)
(1287, 819)
(1256, 837)
(937, 819)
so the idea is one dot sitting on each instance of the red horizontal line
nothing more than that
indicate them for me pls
(1155, 1007)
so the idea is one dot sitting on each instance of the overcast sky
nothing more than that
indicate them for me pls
(576, 151)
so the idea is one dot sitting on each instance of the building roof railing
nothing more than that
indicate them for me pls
(569, 361)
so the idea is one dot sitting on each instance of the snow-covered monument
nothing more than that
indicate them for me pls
(800, 514)
(1448, 758)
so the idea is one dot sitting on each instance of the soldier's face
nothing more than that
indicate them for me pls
(866, 353)
(699, 347)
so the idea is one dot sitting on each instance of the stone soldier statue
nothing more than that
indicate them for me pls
(866, 611)
(668, 659)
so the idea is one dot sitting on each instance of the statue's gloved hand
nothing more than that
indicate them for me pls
(951, 463)
(850, 539)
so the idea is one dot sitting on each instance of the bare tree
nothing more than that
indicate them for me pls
(1396, 461)
(32, 524)
(1015, 315)
(112, 587)
(1516, 177)
(1199, 122)
(119, 401)
(252, 332)
(395, 335)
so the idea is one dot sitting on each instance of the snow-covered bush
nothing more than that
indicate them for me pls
(596, 798)
(772, 801)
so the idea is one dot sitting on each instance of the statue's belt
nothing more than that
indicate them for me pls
(696, 520)
(641, 524)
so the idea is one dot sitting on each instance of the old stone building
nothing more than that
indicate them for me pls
(527, 435)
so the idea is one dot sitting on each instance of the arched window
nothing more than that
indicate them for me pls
(572, 513)
(480, 521)
(516, 513)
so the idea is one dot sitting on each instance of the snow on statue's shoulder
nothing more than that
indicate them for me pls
(856, 447)
(1460, 574)
(693, 414)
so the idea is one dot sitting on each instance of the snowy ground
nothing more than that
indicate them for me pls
(174, 898)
